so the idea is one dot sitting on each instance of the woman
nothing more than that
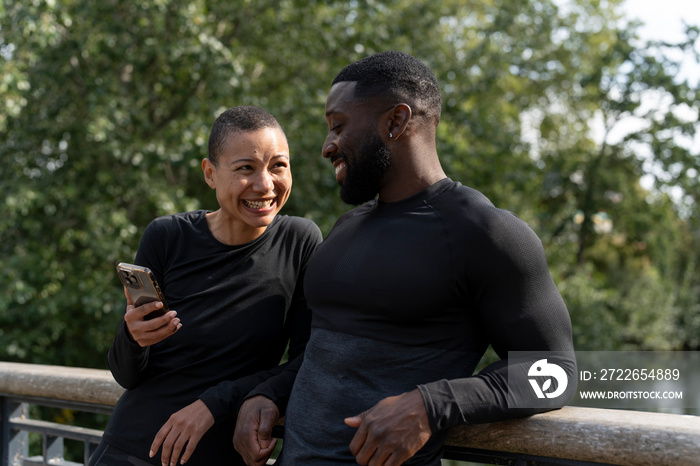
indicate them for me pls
(233, 279)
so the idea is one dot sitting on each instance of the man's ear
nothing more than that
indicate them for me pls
(399, 118)
(209, 169)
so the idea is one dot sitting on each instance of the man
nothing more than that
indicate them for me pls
(407, 292)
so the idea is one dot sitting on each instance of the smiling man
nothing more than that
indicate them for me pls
(407, 292)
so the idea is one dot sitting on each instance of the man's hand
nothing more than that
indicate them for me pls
(185, 427)
(253, 435)
(390, 432)
(149, 332)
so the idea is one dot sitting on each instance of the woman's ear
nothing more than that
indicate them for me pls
(209, 169)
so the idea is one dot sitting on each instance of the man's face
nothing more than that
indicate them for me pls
(365, 172)
(354, 146)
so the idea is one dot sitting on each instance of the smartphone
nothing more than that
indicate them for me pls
(142, 287)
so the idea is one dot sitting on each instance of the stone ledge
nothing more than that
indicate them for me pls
(92, 386)
(574, 433)
(589, 434)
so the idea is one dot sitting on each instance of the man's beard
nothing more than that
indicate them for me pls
(364, 176)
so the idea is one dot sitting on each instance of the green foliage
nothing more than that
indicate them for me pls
(106, 110)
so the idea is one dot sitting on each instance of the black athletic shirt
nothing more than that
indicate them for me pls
(410, 294)
(239, 306)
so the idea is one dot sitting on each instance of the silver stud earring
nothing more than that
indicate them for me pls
(391, 135)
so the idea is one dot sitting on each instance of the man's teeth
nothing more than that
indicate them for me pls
(258, 204)
(339, 168)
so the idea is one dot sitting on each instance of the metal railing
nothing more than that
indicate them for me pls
(569, 436)
(22, 385)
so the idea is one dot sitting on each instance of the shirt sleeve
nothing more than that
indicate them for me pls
(128, 361)
(521, 310)
(224, 399)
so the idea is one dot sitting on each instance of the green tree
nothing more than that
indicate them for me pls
(623, 251)
(106, 109)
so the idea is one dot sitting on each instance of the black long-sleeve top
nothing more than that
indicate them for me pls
(409, 295)
(239, 306)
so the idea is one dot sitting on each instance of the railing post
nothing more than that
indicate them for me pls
(4, 431)
(52, 448)
(16, 442)
(88, 449)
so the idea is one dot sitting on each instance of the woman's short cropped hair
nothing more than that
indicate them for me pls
(240, 118)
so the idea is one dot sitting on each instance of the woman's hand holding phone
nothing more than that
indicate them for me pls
(149, 332)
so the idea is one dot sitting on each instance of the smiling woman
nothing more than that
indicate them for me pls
(232, 278)
(252, 179)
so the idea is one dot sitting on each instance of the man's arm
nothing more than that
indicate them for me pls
(521, 310)
(392, 431)
(260, 412)
(252, 438)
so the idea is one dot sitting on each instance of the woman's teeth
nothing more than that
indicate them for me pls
(258, 204)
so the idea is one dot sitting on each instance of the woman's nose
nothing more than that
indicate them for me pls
(264, 182)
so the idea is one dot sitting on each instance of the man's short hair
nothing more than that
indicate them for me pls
(241, 118)
(396, 76)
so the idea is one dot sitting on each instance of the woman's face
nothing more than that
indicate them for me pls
(252, 178)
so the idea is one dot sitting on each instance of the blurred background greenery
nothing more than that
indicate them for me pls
(105, 110)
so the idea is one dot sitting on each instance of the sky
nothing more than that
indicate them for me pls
(663, 17)
(663, 20)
